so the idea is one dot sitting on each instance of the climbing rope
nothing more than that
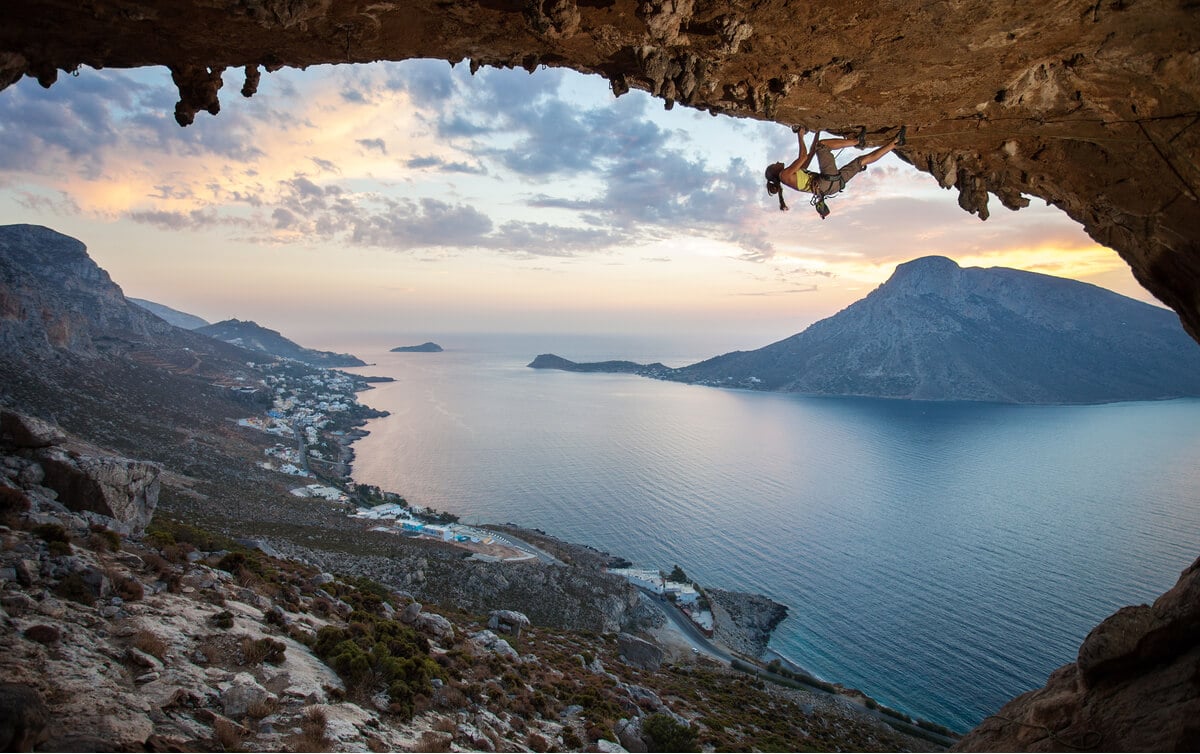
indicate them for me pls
(1090, 741)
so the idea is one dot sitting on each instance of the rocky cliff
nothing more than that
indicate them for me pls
(1132, 688)
(1089, 105)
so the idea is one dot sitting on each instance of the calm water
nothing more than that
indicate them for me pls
(941, 557)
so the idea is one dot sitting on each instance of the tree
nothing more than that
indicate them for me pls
(678, 575)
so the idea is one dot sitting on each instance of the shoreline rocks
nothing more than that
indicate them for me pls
(744, 622)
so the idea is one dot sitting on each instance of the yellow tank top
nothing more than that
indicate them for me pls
(803, 180)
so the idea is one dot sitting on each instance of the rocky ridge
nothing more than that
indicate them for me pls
(1090, 106)
(254, 337)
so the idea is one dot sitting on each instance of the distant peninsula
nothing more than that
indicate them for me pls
(550, 361)
(426, 347)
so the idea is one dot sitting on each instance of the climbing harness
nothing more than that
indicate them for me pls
(818, 202)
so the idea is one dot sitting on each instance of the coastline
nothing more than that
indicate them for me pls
(753, 650)
(739, 637)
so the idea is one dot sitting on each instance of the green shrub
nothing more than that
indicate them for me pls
(372, 653)
(255, 651)
(668, 735)
(571, 740)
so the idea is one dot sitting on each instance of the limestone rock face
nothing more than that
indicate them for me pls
(508, 621)
(639, 652)
(20, 431)
(1132, 688)
(744, 622)
(120, 488)
(1089, 106)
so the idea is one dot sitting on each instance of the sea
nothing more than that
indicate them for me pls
(941, 557)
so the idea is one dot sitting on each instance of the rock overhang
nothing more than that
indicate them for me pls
(1093, 107)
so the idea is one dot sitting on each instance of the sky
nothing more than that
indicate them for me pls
(349, 202)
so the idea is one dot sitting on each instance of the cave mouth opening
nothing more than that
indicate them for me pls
(529, 176)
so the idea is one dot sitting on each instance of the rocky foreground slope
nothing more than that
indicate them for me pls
(115, 639)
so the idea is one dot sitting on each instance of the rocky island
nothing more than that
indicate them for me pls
(426, 347)
(936, 331)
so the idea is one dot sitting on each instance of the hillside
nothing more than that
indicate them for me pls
(169, 315)
(184, 634)
(254, 337)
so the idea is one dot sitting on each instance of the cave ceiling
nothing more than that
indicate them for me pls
(1093, 107)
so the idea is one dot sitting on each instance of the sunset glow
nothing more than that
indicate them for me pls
(413, 197)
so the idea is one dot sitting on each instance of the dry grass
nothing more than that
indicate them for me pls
(255, 651)
(261, 709)
(312, 727)
(151, 643)
(432, 740)
(229, 734)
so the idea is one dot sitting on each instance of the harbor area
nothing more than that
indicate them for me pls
(482, 543)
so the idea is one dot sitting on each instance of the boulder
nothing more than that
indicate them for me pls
(120, 488)
(629, 733)
(639, 652)
(507, 621)
(435, 626)
(410, 613)
(242, 694)
(489, 641)
(21, 431)
(23, 717)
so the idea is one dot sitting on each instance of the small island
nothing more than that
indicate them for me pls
(427, 347)
(552, 361)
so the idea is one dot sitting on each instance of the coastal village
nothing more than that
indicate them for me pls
(314, 415)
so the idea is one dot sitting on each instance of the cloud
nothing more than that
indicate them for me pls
(193, 220)
(325, 165)
(430, 161)
(62, 204)
(370, 144)
(786, 292)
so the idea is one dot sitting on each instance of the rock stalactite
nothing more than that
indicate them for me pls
(1090, 105)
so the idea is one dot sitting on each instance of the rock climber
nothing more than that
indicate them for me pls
(830, 180)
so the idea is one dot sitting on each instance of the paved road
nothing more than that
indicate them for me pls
(521, 544)
(688, 629)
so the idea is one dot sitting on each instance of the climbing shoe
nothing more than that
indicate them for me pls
(862, 138)
(900, 140)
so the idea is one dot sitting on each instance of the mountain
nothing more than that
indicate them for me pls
(254, 337)
(936, 331)
(54, 298)
(169, 315)
(426, 347)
